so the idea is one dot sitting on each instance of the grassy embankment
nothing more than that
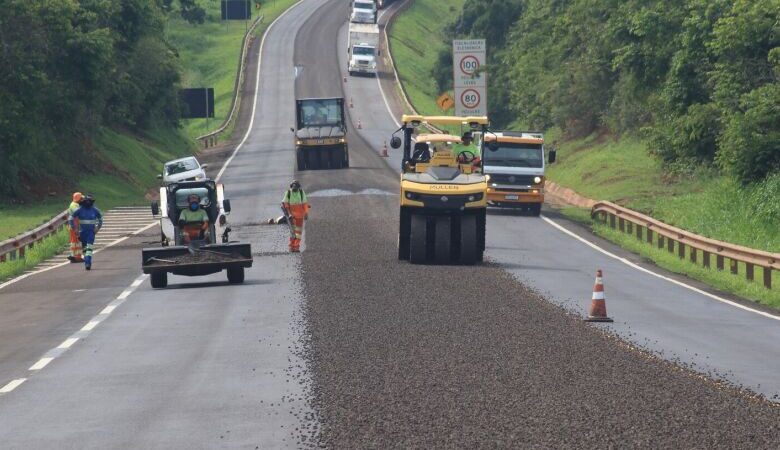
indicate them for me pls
(126, 164)
(618, 170)
(210, 55)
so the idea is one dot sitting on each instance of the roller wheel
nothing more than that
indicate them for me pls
(301, 157)
(312, 160)
(235, 275)
(417, 240)
(469, 246)
(336, 159)
(403, 236)
(536, 209)
(159, 280)
(443, 245)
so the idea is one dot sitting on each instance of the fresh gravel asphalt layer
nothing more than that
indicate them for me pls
(408, 356)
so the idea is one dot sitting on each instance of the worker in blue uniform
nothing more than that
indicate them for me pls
(88, 219)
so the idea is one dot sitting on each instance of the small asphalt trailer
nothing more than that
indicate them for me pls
(199, 257)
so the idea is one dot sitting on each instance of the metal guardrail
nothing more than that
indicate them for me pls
(632, 222)
(15, 247)
(210, 139)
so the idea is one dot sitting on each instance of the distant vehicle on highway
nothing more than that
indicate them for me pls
(363, 48)
(363, 11)
(183, 169)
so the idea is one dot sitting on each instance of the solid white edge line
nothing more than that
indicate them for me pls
(65, 263)
(658, 275)
(13, 384)
(43, 362)
(257, 91)
(605, 252)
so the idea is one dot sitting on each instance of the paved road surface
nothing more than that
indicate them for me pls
(389, 354)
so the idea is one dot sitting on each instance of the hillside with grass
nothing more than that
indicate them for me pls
(667, 109)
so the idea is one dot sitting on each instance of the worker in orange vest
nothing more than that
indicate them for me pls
(297, 208)
(74, 255)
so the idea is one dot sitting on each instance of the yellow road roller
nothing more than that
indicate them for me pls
(443, 192)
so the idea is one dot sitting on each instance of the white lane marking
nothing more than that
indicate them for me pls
(79, 290)
(12, 385)
(75, 337)
(90, 325)
(379, 83)
(67, 343)
(257, 90)
(658, 275)
(65, 263)
(43, 362)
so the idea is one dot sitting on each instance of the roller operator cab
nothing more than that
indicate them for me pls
(443, 196)
(514, 163)
(320, 134)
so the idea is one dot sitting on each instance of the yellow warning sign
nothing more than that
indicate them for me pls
(445, 101)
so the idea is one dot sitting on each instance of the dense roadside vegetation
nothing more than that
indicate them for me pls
(670, 108)
(107, 142)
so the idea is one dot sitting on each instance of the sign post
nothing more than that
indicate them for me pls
(468, 57)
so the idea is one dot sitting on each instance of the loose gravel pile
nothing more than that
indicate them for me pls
(408, 356)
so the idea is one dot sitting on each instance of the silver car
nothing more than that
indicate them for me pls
(184, 169)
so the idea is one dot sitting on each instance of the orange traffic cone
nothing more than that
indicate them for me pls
(351, 105)
(384, 150)
(598, 305)
(360, 125)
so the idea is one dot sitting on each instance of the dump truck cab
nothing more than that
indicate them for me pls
(514, 163)
(443, 198)
(209, 253)
(320, 134)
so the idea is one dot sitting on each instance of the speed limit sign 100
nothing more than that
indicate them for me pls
(469, 64)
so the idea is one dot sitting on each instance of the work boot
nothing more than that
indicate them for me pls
(88, 266)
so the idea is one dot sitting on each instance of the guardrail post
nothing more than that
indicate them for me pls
(706, 259)
(21, 252)
(768, 277)
(630, 227)
(612, 221)
(692, 252)
(660, 241)
(681, 250)
(649, 236)
(719, 262)
(734, 266)
(670, 245)
(2, 258)
(639, 232)
(622, 224)
(749, 271)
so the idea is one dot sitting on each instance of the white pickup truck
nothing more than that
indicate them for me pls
(363, 48)
(363, 11)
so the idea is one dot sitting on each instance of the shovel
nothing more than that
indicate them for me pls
(289, 222)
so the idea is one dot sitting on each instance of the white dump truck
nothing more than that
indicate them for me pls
(363, 11)
(363, 48)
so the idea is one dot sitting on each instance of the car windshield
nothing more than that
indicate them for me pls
(514, 155)
(319, 113)
(363, 5)
(181, 166)
(367, 51)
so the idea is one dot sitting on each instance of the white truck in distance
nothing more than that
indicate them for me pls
(363, 48)
(363, 11)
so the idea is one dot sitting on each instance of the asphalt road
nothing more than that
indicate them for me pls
(201, 364)
(665, 318)
(343, 346)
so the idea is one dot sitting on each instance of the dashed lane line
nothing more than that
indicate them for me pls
(90, 326)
